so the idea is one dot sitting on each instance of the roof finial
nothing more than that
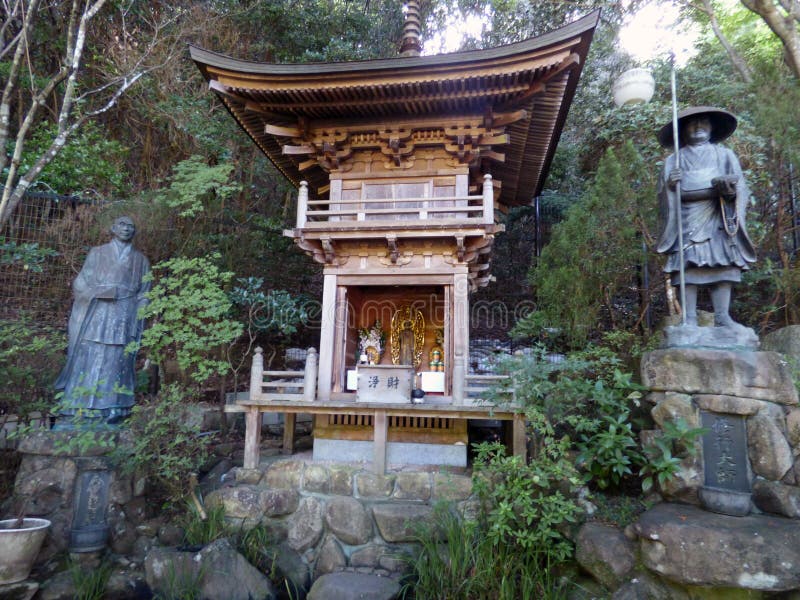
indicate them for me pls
(411, 45)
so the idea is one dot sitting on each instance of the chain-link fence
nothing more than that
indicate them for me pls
(41, 251)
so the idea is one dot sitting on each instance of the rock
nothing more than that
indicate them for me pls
(785, 340)
(251, 476)
(127, 584)
(330, 558)
(291, 567)
(348, 520)
(412, 486)
(254, 502)
(217, 571)
(692, 547)
(757, 375)
(136, 510)
(317, 479)
(451, 487)
(370, 485)
(122, 534)
(793, 426)
(150, 527)
(402, 522)
(683, 486)
(646, 587)
(673, 407)
(120, 490)
(60, 443)
(605, 553)
(170, 534)
(727, 404)
(777, 498)
(354, 586)
(305, 525)
(367, 557)
(24, 590)
(284, 474)
(341, 480)
(769, 452)
(142, 546)
(58, 587)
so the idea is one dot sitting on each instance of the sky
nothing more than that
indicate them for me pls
(651, 33)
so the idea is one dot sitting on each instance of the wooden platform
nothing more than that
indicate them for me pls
(380, 416)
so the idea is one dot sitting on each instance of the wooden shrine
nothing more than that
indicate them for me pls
(402, 166)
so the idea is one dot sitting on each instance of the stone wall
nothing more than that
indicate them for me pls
(754, 385)
(334, 517)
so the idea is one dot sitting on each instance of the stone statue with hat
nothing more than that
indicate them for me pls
(713, 198)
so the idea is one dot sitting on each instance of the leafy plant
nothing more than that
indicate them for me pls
(29, 255)
(30, 354)
(194, 184)
(190, 313)
(528, 505)
(663, 456)
(458, 561)
(166, 448)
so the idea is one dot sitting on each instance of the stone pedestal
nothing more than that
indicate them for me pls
(747, 401)
(89, 501)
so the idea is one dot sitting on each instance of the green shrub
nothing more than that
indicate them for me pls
(30, 357)
(166, 447)
(458, 561)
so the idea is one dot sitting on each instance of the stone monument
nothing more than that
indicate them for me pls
(98, 379)
(715, 377)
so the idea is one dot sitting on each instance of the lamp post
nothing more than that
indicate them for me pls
(636, 86)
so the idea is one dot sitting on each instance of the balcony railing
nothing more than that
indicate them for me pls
(463, 210)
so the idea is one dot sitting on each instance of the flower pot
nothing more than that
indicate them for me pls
(19, 547)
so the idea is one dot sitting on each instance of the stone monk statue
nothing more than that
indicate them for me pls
(713, 200)
(98, 379)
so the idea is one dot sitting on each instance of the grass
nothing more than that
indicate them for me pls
(458, 562)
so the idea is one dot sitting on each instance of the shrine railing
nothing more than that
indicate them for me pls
(283, 385)
(477, 209)
(486, 389)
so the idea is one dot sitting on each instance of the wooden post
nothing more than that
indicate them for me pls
(302, 205)
(252, 437)
(488, 200)
(289, 420)
(460, 335)
(519, 439)
(256, 373)
(310, 378)
(381, 425)
(326, 337)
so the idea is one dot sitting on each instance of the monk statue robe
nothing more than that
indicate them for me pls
(98, 379)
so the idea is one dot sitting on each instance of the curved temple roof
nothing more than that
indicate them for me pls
(526, 87)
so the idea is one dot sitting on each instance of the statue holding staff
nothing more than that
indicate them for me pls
(98, 379)
(710, 189)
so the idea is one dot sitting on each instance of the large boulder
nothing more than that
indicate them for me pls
(254, 502)
(692, 547)
(605, 553)
(305, 525)
(402, 522)
(348, 520)
(354, 586)
(216, 571)
(770, 453)
(785, 340)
